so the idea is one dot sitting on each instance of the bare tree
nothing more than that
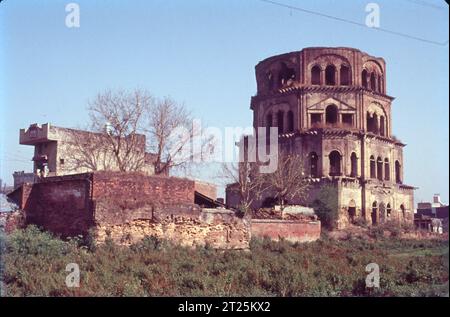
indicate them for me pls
(124, 125)
(118, 117)
(172, 136)
(288, 181)
(246, 181)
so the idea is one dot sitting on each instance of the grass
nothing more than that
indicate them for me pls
(34, 264)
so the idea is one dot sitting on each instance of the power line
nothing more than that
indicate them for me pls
(353, 22)
(426, 4)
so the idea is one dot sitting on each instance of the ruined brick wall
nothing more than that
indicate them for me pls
(61, 205)
(117, 195)
(21, 195)
(130, 206)
(186, 225)
(290, 230)
(126, 207)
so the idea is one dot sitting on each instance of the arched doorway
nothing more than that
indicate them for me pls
(373, 170)
(331, 114)
(335, 163)
(351, 210)
(379, 168)
(315, 75)
(330, 75)
(374, 213)
(364, 78)
(398, 178)
(345, 75)
(354, 165)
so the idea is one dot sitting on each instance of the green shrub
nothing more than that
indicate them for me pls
(326, 206)
(35, 265)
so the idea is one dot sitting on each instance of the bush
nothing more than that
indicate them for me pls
(326, 206)
(360, 222)
(35, 265)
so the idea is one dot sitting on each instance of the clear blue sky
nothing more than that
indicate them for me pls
(203, 53)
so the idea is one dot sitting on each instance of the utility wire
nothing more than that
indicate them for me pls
(353, 22)
(427, 4)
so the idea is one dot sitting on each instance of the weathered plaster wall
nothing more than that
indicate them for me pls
(190, 227)
(291, 230)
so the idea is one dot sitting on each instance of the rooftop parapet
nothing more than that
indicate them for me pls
(37, 134)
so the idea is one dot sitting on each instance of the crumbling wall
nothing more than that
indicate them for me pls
(126, 207)
(186, 225)
(61, 206)
(290, 230)
(133, 189)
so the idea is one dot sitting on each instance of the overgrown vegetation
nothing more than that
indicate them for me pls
(35, 265)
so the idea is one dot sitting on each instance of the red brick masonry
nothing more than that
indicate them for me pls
(291, 230)
(70, 205)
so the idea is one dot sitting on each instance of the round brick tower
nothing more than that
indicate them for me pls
(331, 107)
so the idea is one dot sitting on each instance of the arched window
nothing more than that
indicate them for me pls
(290, 121)
(354, 165)
(313, 164)
(398, 175)
(373, 81)
(372, 122)
(387, 169)
(331, 114)
(286, 75)
(335, 163)
(388, 210)
(380, 168)
(330, 75)
(382, 126)
(373, 171)
(345, 75)
(380, 84)
(280, 120)
(315, 75)
(374, 213)
(364, 78)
